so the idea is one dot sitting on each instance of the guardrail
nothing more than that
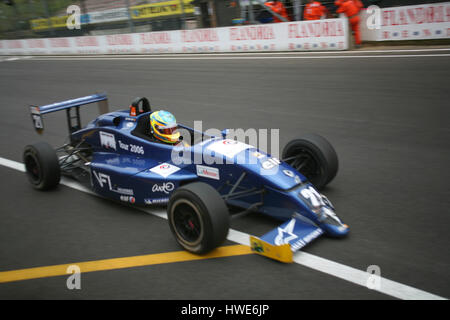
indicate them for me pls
(328, 34)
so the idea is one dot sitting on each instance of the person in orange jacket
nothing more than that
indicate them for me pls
(359, 4)
(278, 7)
(351, 9)
(314, 10)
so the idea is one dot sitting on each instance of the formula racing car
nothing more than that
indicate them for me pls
(203, 180)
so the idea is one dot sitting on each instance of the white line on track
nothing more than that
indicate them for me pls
(341, 271)
(237, 57)
(235, 54)
(13, 58)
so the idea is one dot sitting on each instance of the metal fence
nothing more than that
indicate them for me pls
(48, 18)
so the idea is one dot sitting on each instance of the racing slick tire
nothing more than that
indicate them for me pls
(314, 157)
(41, 166)
(198, 217)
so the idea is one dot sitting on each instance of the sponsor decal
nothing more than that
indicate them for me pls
(107, 140)
(165, 169)
(38, 24)
(130, 119)
(252, 33)
(424, 21)
(129, 199)
(155, 38)
(316, 29)
(105, 180)
(289, 173)
(208, 172)
(258, 155)
(285, 235)
(271, 163)
(160, 9)
(35, 43)
(407, 15)
(156, 201)
(307, 239)
(119, 40)
(228, 147)
(123, 190)
(14, 44)
(102, 179)
(108, 15)
(310, 194)
(166, 187)
(131, 148)
(86, 41)
(199, 35)
(60, 42)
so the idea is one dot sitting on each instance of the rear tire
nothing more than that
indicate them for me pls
(198, 217)
(314, 157)
(41, 166)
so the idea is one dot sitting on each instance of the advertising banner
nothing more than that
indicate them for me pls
(329, 34)
(161, 9)
(426, 21)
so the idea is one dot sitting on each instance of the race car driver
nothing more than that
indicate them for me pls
(163, 127)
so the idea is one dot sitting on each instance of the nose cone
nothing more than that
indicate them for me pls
(335, 230)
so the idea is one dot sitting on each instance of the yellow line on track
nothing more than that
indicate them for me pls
(121, 263)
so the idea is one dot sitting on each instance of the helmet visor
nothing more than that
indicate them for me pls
(167, 129)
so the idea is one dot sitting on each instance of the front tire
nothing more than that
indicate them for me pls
(314, 157)
(198, 217)
(41, 166)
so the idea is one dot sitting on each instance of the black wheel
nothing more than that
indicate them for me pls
(198, 217)
(41, 165)
(314, 157)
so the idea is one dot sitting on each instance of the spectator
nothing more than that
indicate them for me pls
(279, 8)
(314, 10)
(351, 9)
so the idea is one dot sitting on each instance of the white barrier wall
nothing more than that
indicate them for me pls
(330, 34)
(427, 21)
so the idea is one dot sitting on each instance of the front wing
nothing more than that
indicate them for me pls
(280, 243)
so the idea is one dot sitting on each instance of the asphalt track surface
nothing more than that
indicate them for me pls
(387, 117)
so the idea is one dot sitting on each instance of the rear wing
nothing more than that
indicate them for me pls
(73, 119)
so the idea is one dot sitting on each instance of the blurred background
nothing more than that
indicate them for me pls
(47, 18)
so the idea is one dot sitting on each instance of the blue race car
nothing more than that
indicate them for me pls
(128, 156)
